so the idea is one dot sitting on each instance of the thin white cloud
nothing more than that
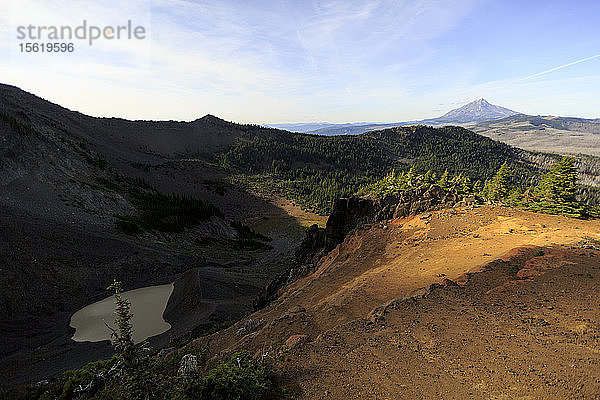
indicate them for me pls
(558, 68)
(246, 62)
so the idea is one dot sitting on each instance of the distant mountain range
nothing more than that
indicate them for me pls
(475, 111)
(563, 135)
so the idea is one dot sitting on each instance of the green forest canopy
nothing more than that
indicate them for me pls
(316, 170)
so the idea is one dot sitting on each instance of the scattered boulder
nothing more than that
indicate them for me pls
(188, 365)
(378, 313)
(469, 200)
(449, 283)
(166, 353)
(402, 210)
(296, 340)
(296, 310)
(251, 325)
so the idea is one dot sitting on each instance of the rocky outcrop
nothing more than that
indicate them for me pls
(350, 213)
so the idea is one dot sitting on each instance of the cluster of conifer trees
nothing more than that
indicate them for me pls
(399, 181)
(556, 193)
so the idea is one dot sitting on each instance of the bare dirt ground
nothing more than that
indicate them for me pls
(522, 322)
(305, 218)
(283, 217)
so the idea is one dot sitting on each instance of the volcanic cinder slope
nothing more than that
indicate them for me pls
(64, 176)
(477, 302)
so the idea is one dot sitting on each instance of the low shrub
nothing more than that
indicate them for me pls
(236, 378)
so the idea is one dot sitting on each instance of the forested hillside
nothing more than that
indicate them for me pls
(316, 170)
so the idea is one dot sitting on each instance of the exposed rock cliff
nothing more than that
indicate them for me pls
(350, 213)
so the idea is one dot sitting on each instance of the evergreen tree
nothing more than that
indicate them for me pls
(557, 191)
(444, 181)
(462, 184)
(410, 177)
(515, 198)
(477, 187)
(429, 177)
(122, 336)
(498, 188)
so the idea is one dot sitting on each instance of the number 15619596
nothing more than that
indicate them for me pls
(46, 47)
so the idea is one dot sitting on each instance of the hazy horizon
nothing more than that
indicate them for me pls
(279, 123)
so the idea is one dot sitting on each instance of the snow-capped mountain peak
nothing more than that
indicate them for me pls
(477, 111)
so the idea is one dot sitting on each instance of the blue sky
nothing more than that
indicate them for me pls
(308, 60)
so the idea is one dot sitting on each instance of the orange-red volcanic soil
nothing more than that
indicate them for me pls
(523, 322)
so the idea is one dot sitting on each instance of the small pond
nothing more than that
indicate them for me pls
(147, 305)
